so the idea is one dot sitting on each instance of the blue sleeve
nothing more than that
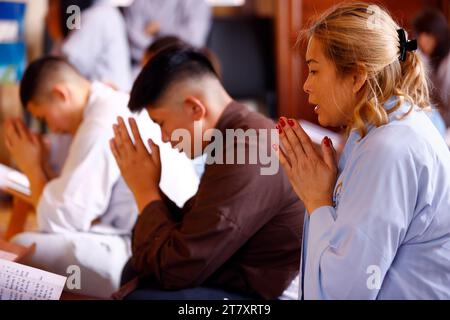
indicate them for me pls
(350, 248)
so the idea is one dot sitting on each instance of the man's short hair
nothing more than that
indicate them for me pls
(163, 70)
(40, 73)
(164, 43)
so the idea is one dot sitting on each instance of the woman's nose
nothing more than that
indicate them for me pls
(306, 87)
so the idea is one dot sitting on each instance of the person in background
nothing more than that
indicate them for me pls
(433, 37)
(99, 48)
(86, 214)
(377, 223)
(146, 20)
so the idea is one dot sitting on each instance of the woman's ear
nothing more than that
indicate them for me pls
(359, 78)
(195, 108)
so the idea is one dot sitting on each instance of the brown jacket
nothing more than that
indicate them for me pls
(241, 231)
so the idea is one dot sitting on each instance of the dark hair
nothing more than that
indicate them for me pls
(172, 42)
(38, 73)
(432, 21)
(164, 43)
(164, 69)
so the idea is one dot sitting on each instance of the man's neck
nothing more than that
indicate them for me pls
(217, 105)
(222, 101)
(83, 94)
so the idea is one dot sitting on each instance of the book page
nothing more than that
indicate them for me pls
(20, 282)
(15, 180)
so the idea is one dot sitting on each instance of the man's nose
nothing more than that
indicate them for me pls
(165, 137)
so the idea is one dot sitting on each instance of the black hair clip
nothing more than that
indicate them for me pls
(405, 44)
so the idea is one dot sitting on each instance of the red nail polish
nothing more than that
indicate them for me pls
(282, 123)
(291, 122)
(327, 142)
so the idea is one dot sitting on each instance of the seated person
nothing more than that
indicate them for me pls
(85, 215)
(147, 20)
(239, 236)
(378, 221)
(99, 49)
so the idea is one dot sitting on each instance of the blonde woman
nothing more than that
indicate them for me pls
(378, 222)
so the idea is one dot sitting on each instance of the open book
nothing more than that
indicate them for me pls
(13, 179)
(20, 282)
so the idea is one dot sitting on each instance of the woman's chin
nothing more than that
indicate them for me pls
(327, 122)
(323, 121)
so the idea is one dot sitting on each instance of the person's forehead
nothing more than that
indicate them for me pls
(160, 111)
(169, 102)
(314, 51)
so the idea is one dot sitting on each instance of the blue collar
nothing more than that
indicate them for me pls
(354, 136)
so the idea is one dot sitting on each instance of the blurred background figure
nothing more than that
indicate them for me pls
(99, 47)
(147, 20)
(433, 36)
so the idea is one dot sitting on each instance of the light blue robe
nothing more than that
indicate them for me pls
(388, 234)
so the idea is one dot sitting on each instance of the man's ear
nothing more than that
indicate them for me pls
(359, 78)
(60, 92)
(195, 108)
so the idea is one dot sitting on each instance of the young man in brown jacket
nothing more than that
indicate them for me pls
(240, 235)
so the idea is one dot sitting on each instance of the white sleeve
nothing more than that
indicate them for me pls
(82, 192)
(350, 249)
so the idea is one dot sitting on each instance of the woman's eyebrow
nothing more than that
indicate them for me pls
(311, 61)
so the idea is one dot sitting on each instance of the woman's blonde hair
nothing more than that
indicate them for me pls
(364, 35)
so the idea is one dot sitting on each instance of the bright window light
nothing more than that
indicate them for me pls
(226, 3)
